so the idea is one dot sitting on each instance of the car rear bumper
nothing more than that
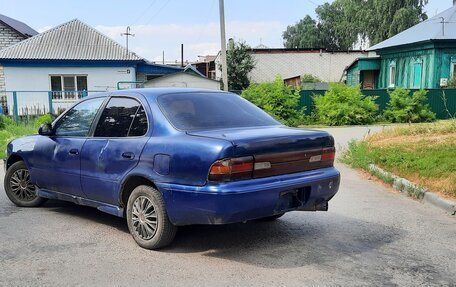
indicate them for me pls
(249, 199)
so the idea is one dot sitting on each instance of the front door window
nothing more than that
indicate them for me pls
(77, 121)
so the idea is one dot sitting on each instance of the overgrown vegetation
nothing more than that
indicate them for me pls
(309, 78)
(422, 153)
(344, 105)
(279, 100)
(11, 130)
(405, 107)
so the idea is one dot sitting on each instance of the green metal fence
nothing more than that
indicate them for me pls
(435, 98)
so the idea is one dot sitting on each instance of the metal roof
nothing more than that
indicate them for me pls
(73, 40)
(20, 27)
(440, 27)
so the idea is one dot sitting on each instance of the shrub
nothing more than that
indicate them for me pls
(309, 78)
(277, 99)
(405, 107)
(2, 122)
(44, 119)
(344, 105)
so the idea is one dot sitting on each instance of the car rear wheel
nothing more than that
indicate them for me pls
(18, 187)
(147, 218)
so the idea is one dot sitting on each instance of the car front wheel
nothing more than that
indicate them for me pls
(18, 187)
(147, 218)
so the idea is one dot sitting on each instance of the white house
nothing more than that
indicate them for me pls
(71, 60)
(59, 66)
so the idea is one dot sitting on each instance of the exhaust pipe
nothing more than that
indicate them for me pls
(322, 206)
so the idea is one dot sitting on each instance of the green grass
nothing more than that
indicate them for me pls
(12, 131)
(423, 153)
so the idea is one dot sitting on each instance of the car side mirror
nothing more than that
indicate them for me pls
(45, 130)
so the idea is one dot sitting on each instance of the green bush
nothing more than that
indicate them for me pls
(277, 99)
(44, 119)
(2, 122)
(344, 105)
(405, 107)
(309, 78)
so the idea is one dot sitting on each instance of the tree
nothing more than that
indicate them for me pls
(342, 24)
(239, 63)
(304, 34)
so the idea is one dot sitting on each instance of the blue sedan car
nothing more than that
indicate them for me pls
(164, 158)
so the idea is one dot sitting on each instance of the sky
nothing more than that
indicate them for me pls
(163, 25)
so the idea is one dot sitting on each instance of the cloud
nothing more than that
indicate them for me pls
(151, 40)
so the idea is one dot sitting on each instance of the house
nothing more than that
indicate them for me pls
(327, 65)
(189, 77)
(13, 31)
(206, 65)
(423, 56)
(52, 70)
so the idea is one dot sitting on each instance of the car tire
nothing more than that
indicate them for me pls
(18, 187)
(271, 218)
(147, 218)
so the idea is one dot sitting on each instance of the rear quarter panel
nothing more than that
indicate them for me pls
(181, 159)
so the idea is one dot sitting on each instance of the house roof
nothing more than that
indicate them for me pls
(18, 26)
(73, 40)
(440, 27)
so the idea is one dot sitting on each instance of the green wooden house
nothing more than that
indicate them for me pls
(423, 56)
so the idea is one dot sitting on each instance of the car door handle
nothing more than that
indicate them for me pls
(73, 151)
(128, 155)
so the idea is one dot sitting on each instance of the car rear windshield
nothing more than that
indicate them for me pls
(203, 111)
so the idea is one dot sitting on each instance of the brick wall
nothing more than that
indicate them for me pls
(8, 36)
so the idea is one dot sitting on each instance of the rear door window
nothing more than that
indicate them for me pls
(122, 117)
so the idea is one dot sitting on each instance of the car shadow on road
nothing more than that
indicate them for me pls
(297, 239)
(294, 240)
(90, 213)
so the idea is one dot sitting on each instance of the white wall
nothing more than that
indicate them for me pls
(183, 80)
(327, 66)
(37, 79)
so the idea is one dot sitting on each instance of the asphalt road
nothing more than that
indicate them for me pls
(370, 236)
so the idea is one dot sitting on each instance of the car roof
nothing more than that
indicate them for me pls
(155, 92)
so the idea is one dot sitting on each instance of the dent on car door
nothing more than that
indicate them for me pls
(57, 157)
(114, 149)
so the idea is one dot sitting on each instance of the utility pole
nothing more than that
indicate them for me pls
(223, 39)
(127, 34)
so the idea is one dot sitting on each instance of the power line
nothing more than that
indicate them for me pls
(157, 12)
(144, 12)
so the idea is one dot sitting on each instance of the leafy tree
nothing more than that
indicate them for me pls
(304, 34)
(386, 18)
(343, 23)
(405, 107)
(277, 99)
(239, 64)
(344, 105)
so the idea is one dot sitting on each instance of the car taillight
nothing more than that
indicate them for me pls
(232, 169)
(328, 154)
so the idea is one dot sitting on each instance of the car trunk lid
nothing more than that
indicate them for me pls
(279, 149)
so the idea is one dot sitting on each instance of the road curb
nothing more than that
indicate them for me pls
(412, 190)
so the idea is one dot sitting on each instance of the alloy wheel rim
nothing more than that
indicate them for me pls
(144, 218)
(21, 186)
